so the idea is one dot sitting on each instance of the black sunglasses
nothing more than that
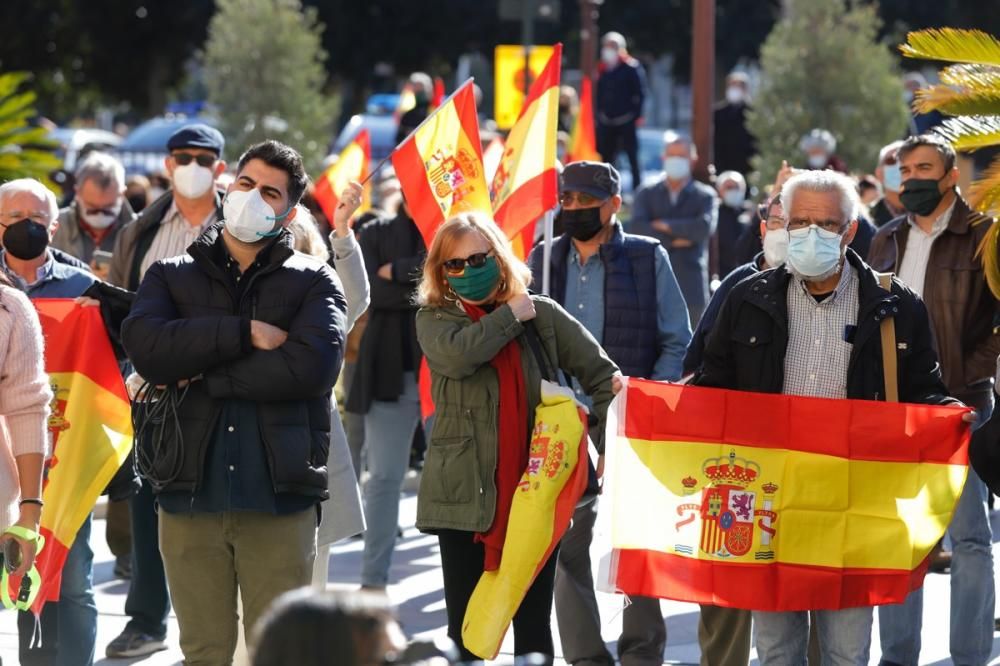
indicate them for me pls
(457, 266)
(203, 160)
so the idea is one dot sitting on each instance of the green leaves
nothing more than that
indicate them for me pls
(25, 151)
(953, 45)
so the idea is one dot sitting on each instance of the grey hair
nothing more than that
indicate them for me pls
(103, 169)
(732, 177)
(670, 137)
(818, 138)
(823, 181)
(19, 185)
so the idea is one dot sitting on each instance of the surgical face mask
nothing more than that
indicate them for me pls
(892, 180)
(193, 180)
(733, 198)
(814, 252)
(248, 217)
(476, 282)
(921, 196)
(775, 246)
(908, 97)
(735, 94)
(818, 160)
(581, 223)
(26, 239)
(677, 168)
(99, 219)
(609, 55)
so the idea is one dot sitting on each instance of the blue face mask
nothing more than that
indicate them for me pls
(814, 252)
(677, 168)
(892, 180)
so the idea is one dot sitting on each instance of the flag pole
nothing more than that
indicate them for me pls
(547, 251)
(409, 136)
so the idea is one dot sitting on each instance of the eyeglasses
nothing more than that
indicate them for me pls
(457, 266)
(201, 158)
(767, 212)
(832, 226)
(582, 199)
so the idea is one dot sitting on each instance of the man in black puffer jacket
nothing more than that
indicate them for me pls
(250, 334)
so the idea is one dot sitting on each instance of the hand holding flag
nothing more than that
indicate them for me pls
(348, 202)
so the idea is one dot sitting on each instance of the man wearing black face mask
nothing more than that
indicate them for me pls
(622, 288)
(933, 249)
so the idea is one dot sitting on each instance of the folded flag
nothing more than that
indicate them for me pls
(775, 502)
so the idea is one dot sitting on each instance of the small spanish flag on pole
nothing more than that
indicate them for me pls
(738, 499)
(352, 165)
(90, 428)
(583, 144)
(526, 184)
(440, 165)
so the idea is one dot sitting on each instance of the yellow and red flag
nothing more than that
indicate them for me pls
(90, 428)
(352, 164)
(440, 165)
(583, 142)
(774, 502)
(526, 184)
(438, 97)
(492, 155)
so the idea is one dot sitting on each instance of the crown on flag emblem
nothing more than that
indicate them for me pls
(738, 471)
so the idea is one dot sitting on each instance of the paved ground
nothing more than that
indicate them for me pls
(417, 591)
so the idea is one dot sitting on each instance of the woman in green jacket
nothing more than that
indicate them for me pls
(486, 383)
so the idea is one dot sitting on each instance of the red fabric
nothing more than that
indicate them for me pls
(512, 437)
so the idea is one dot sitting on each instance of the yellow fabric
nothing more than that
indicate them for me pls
(352, 164)
(508, 78)
(556, 449)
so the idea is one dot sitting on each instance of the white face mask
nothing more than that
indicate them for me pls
(735, 94)
(733, 198)
(248, 217)
(609, 55)
(193, 180)
(98, 221)
(818, 160)
(775, 246)
(677, 168)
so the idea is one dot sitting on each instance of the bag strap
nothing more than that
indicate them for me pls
(541, 358)
(888, 330)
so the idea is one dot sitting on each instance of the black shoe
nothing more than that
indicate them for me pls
(132, 643)
(123, 567)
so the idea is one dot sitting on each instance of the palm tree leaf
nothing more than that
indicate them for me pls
(958, 102)
(953, 45)
(971, 132)
(971, 77)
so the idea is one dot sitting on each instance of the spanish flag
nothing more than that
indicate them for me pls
(527, 184)
(583, 142)
(775, 502)
(440, 165)
(90, 427)
(352, 164)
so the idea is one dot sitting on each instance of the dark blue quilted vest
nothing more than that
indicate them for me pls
(630, 305)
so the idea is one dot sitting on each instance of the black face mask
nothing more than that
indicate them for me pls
(921, 196)
(26, 239)
(582, 223)
(137, 202)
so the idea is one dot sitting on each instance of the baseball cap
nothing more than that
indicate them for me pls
(597, 179)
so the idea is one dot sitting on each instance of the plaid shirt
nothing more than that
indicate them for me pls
(818, 350)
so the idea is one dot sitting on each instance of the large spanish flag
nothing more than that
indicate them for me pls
(526, 184)
(774, 502)
(440, 165)
(90, 427)
(352, 164)
(583, 141)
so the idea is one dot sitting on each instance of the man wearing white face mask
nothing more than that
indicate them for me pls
(164, 229)
(733, 144)
(248, 337)
(889, 207)
(820, 148)
(812, 328)
(621, 90)
(681, 213)
(98, 213)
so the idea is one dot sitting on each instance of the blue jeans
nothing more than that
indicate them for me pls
(845, 637)
(972, 593)
(389, 428)
(68, 626)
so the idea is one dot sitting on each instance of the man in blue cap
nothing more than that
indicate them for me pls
(164, 229)
(622, 288)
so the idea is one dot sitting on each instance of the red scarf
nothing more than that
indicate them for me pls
(512, 438)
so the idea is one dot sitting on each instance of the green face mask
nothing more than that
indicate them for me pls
(476, 283)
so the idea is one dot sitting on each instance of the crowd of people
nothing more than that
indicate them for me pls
(234, 298)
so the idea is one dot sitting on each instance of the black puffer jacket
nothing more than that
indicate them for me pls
(746, 347)
(188, 321)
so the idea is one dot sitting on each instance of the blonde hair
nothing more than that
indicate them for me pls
(434, 290)
(305, 235)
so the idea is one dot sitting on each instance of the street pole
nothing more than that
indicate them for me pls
(528, 11)
(588, 36)
(703, 83)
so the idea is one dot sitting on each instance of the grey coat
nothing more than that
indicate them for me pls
(343, 516)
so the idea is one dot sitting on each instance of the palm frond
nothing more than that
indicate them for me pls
(953, 45)
(971, 77)
(984, 195)
(971, 132)
(958, 102)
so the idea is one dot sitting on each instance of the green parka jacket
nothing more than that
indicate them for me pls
(457, 489)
